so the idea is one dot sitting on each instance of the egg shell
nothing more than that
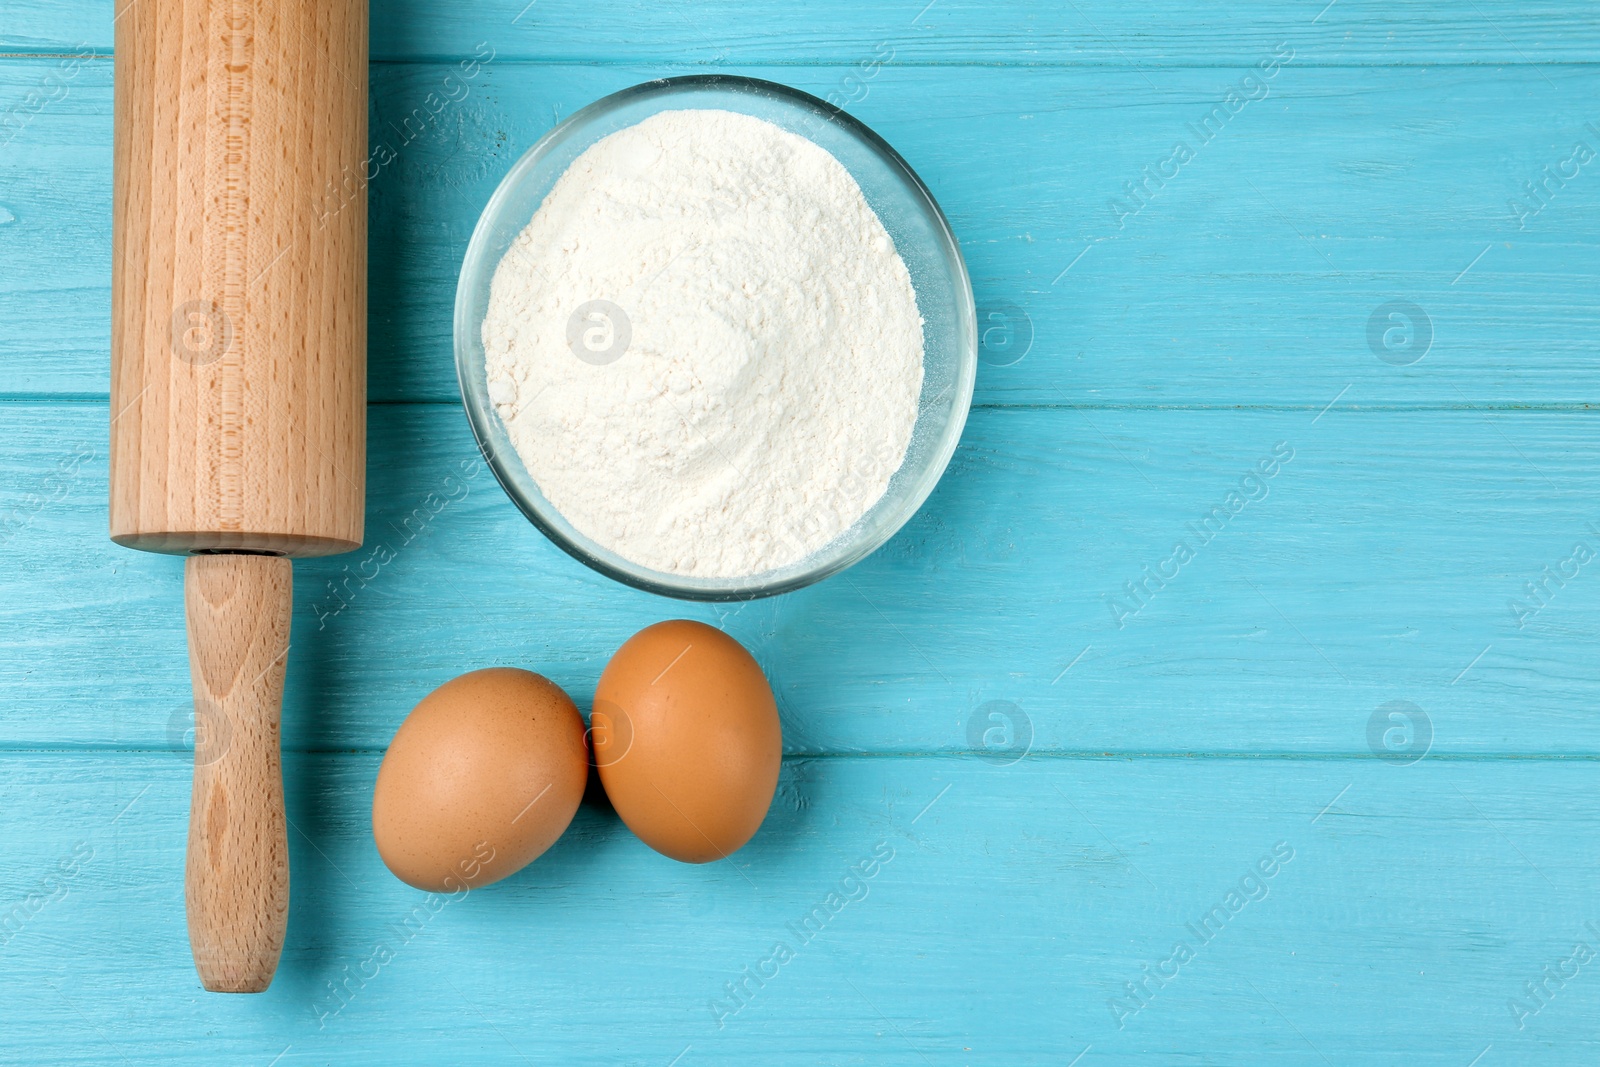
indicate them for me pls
(687, 740)
(481, 778)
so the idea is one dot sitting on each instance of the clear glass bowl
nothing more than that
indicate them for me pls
(921, 235)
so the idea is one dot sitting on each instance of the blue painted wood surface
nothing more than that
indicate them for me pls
(1375, 681)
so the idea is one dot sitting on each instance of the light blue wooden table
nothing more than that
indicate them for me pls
(1320, 788)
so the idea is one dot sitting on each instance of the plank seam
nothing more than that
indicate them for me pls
(43, 399)
(729, 67)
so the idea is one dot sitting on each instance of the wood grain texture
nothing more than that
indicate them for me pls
(238, 375)
(236, 876)
(1161, 34)
(1418, 902)
(1250, 279)
(1380, 566)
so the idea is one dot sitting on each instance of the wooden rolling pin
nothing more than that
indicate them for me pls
(238, 388)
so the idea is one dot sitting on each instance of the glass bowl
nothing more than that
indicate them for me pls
(920, 233)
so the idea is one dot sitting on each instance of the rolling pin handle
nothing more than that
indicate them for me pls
(236, 877)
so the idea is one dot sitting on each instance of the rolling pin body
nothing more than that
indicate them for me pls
(238, 378)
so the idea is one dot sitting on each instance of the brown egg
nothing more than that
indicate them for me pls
(481, 778)
(687, 741)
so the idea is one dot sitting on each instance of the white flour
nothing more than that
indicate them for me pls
(705, 347)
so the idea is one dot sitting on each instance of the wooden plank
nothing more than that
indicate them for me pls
(712, 32)
(55, 195)
(998, 926)
(1252, 278)
(1381, 564)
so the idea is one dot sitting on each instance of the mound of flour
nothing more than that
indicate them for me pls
(705, 347)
